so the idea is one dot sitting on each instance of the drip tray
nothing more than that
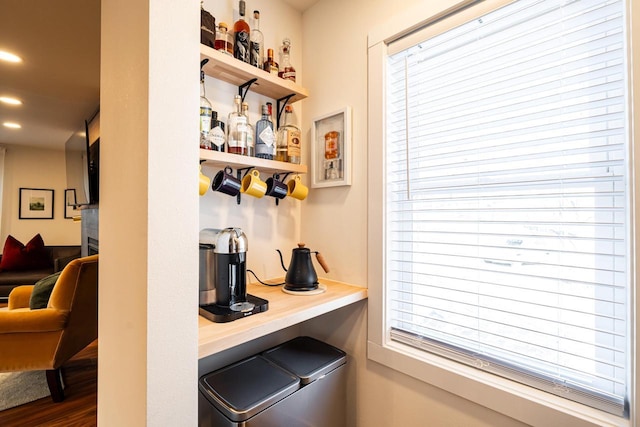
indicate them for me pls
(220, 314)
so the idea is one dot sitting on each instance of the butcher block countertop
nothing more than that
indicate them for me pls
(284, 310)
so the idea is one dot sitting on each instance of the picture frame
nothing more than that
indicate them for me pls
(331, 149)
(70, 204)
(35, 203)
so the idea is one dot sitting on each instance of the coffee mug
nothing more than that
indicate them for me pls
(205, 182)
(226, 183)
(297, 189)
(253, 185)
(276, 188)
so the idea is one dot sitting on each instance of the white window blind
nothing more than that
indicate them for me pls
(506, 197)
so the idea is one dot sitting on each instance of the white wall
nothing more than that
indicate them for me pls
(36, 168)
(335, 60)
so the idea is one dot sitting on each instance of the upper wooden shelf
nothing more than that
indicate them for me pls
(236, 161)
(284, 310)
(229, 69)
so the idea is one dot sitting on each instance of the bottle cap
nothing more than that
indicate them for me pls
(256, 14)
(242, 6)
(223, 26)
(288, 109)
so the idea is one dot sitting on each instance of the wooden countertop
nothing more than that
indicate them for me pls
(284, 310)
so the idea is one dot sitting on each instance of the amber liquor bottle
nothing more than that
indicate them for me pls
(270, 66)
(287, 71)
(242, 37)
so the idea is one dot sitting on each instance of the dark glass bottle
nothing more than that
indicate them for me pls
(217, 135)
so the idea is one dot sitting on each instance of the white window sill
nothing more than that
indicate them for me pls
(509, 398)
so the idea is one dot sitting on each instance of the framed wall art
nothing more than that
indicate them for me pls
(35, 203)
(70, 203)
(331, 149)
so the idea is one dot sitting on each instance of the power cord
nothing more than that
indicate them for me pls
(266, 284)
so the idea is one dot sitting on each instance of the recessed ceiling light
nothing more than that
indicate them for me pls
(12, 125)
(9, 57)
(10, 100)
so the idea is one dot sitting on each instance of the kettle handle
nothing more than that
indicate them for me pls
(322, 262)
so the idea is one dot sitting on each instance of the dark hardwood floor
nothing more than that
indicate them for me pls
(79, 407)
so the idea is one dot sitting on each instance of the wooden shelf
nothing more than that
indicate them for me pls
(229, 69)
(236, 161)
(284, 310)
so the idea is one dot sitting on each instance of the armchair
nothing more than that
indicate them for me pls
(46, 338)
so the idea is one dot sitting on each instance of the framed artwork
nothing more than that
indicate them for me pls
(331, 149)
(70, 203)
(35, 203)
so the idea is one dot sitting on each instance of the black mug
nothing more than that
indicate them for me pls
(226, 183)
(276, 188)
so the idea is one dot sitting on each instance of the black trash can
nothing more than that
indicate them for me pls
(301, 382)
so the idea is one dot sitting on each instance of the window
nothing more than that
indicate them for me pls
(505, 202)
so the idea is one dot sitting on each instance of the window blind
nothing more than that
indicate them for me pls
(506, 197)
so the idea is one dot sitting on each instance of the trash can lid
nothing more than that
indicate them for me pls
(307, 358)
(246, 388)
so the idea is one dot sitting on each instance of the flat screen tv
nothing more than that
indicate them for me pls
(82, 159)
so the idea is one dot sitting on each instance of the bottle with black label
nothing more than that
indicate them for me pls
(242, 37)
(257, 42)
(217, 137)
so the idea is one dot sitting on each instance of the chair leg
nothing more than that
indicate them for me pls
(54, 380)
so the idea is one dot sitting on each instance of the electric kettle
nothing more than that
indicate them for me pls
(301, 276)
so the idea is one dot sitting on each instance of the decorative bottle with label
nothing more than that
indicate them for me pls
(270, 65)
(257, 42)
(288, 144)
(224, 40)
(236, 129)
(216, 134)
(287, 71)
(251, 148)
(265, 138)
(205, 116)
(242, 37)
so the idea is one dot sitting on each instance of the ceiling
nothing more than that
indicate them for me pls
(59, 78)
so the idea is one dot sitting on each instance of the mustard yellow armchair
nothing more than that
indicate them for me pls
(44, 339)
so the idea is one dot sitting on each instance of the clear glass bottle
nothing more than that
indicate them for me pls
(265, 138)
(205, 116)
(270, 65)
(251, 148)
(236, 129)
(242, 37)
(257, 42)
(217, 136)
(288, 142)
(287, 71)
(224, 39)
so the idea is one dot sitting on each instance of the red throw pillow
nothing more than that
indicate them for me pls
(16, 256)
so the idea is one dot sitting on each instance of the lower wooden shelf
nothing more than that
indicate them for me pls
(284, 310)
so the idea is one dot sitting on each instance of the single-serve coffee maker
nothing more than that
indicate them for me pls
(223, 276)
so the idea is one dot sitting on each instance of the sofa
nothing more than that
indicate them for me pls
(59, 257)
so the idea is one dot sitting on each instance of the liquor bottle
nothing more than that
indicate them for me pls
(257, 42)
(224, 40)
(216, 135)
(288, 144)
(251, 148)
(205, 116)
(242, 37)
(207, 27)
(287, 71)
(270, 65)
(331, 145)
(265, 138)
(236, 130)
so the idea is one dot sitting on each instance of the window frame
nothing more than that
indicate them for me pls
(507, 397)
